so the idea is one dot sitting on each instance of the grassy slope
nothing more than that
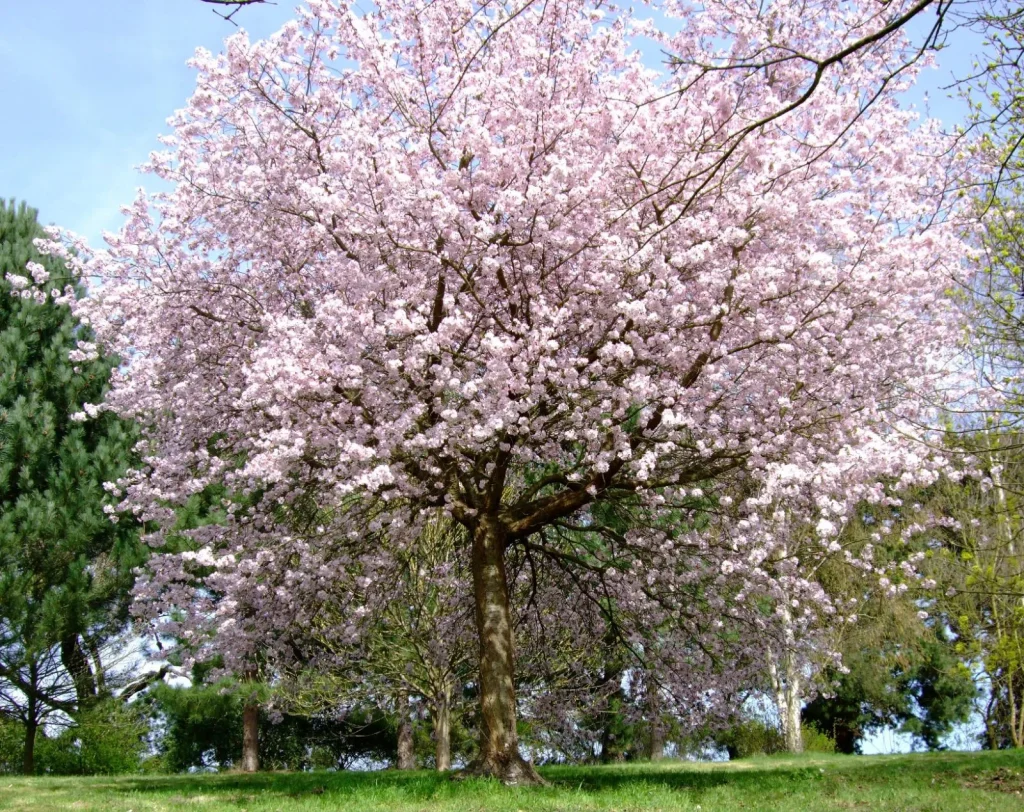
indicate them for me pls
(942, 781)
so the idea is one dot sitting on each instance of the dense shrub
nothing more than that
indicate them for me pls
(107, 739)
(753, 737)
(817, 742)
(12, 743)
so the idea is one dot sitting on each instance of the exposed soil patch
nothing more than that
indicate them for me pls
(1004, 779)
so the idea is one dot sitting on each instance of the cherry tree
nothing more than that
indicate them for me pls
(480, 257)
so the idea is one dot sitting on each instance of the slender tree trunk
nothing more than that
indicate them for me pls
(990, 721)
(1013, 718)
(1013, 683)
(32, 715)
(31, 726)
(406, 756)
(442, 717)
(250, 738)
(499, 743)
(656, 733)
(1018, 735)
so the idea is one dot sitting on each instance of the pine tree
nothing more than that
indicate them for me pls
(65, 567)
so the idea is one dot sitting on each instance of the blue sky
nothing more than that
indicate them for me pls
(87, 85)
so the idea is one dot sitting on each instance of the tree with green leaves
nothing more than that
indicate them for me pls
(976, 557)
(900, 666)
(420, 644)
(65, 564)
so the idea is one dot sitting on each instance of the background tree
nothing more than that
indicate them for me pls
(899, 666)
(65, 566)
(974, 556)
(422, 643)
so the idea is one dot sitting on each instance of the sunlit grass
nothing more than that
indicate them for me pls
(962, 782)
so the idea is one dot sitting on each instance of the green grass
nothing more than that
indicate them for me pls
(962, 782)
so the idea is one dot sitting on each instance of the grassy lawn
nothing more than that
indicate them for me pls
(963, 782)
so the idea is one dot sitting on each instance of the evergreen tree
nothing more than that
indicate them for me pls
(65, 567)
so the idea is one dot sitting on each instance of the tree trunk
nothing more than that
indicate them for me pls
(656, 734)
(29, 760)
(499, 743)
(250, 738)
(991, 725)
(786, 686)
(794, 734)
(442, 717)
(845, 738)
(31, 726)
(613, 731)
(75, 661)
(656, 745)
(102, 690)
(406, 759)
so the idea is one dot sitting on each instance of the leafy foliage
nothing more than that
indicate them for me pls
(65, 567)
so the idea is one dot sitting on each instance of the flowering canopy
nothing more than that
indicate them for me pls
(480, 257)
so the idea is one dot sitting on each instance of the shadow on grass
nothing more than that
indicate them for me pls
(782, 772)
(419, 785)
(758, 776)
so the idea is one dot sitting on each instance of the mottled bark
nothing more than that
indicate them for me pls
(102, 689)
(250, 738)
(794, 733)
(499, 743)
(788, 700)
(784, 672)
(406, 757)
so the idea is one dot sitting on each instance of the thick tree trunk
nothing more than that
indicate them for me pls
(794, 734)
(406, 757)
(499, 743)
(656, 745)
(442, 717)
(613, 731)
(794, 700)
(75, 661)
(29, 759)
(250, 738)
